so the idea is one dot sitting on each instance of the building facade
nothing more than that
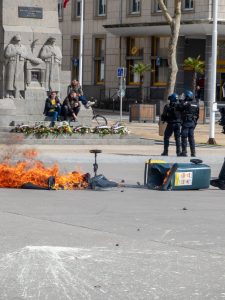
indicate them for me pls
(126, 32)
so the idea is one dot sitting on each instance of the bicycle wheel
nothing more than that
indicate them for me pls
(100, 120)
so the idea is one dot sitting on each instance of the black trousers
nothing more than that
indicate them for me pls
(67, 113)
(187, 133)
(170, 129)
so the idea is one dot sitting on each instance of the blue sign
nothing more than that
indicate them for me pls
(121, 72)
(158, 61)
(75, 62)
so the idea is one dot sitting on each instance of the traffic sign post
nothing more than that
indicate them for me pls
(121, 73)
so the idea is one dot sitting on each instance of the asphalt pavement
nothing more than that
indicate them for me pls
(119, 243)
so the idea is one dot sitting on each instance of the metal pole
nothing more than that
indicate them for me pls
(213, 75)
(121, 98)
(81, 43)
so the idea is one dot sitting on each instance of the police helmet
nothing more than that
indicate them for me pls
(173, 97)
(188, 95)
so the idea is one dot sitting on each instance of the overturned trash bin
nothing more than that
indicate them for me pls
(160, 175)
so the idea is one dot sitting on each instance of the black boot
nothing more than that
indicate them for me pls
(184, 147)
(220, 181)
(166, 147)
(222, 172)
(178, 151)
(165, 153)
(183, 154)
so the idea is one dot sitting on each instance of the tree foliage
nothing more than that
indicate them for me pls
(140, 69)
(197, 66)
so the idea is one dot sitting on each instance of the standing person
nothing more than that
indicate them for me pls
(222, 119)
(71, 106)
(76, 87)
(172, 116)
(52, 107)
(189, 116)
(52, 56)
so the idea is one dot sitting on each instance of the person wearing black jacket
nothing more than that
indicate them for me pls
(222, 119)
(189, 116)
(71, 106)
(172, 116)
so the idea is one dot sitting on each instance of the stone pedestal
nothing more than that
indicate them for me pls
(29, 31)
(7, 111)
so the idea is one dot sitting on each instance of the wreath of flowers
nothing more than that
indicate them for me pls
(64, 129)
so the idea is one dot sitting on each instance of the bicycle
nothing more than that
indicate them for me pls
(97, 118)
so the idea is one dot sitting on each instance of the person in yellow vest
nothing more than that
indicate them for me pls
(52, 107)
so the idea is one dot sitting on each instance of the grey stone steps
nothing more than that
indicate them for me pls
(77, 141)
(7, 137)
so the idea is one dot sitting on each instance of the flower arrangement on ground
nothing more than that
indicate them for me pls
(40, 130)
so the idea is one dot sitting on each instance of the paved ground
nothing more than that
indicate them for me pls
(121, 243)
(151, 130)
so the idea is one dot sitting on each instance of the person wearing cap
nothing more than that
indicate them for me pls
(16, 55)
(172, 116)
(52, 56)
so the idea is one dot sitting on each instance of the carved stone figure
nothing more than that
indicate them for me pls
(52, 56)
(16, 55)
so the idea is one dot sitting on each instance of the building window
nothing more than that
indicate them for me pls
(76, 9)
(60, 9)
(99, 60)
(157, 8)
(101, 8)
(188, 4)
(135, 50)
(75, 58)
(134, 7)
(159, 60)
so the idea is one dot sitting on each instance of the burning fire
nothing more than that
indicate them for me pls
(168, 172)
(30, 170)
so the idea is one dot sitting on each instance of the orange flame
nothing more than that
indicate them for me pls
(35, 172)
(168, 172)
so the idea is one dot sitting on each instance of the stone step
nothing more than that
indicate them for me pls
(78, 141)
(7, 137)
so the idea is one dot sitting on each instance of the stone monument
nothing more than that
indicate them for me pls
(31, 57)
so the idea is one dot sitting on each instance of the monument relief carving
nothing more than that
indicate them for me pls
(16, 55)
(52, 56)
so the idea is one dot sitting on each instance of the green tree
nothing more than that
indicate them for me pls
(197, 66)
(140, 69)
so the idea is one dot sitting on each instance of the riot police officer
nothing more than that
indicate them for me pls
(189, 116)
(172, 116)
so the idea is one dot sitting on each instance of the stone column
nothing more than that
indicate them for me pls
(208, 59)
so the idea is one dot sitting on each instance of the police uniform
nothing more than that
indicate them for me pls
(172, 115)
(190, 114)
